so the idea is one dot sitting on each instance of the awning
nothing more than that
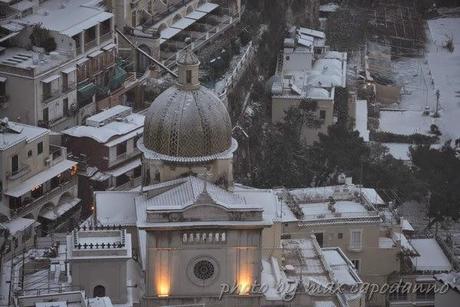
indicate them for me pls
(207, 7)
(86, 91)
(109, 46)
(183, 23)
(18, 224)
(40, 178)
(82, 61)
(124, 168)
(95, 53)
(196, 15)
(50, 79)
(169, 32)
(89, 23)
(54, 213)
(69, 70)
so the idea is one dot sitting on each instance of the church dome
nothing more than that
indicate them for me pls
(187, 122)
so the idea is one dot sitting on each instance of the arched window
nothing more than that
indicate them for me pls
(99, 291)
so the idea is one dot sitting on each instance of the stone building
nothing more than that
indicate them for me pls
(307, 76)
(38, 184)
(106, 148)
(160, 27)
(60, 88)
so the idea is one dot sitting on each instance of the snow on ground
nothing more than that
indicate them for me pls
(405, 122)
(421, 77)
(445, 69)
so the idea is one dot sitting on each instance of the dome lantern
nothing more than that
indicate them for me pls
(188, 68)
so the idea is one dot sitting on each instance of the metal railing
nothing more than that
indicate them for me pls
(106, 36)
(124, 156)
(26, 208)
(91, 44)
(13, 175)
(225, 23)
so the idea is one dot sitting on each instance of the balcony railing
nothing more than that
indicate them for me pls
(13, 175)
(91, 44)
(123, 157)
(47, 97)
(34, 203)
(4, 99)
(106, 36)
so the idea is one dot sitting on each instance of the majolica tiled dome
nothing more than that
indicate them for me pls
(187, 120)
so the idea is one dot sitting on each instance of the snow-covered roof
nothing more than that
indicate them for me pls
(106, 132)
(361, 119)
(343, 209)
(342, 268)
(431, 258)
(15, 133)
(18, 224)
(405, 243)
(452, 279)
(55, 212)
(188, 192)
(40, 178)
(274, 209)
(329, 7)
(70, 18)
(116, 207)
(406, 226)
(124, 168)
(318, 194)
(399, 151)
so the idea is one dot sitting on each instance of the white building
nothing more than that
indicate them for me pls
(38, 184)
(307, 76)
(59, 89)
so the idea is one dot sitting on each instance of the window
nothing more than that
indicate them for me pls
(189, 76)
(45, 115)
(46, 90)
(319, 238)
(121, 148)
(65, 106)
(2, 87)
(322, 114)
(29, 153)
(99, 291)
(39, 148)
(356, 264)
(14, 164)
(355, 240)
(340, 235)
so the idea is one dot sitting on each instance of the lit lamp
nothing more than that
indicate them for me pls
(244, 282)
(163, 287)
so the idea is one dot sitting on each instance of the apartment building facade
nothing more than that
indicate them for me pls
(160, 27)
(306, 78)
(80, 77)
(106, 146)
(38, 183)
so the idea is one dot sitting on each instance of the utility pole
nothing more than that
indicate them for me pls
(436, 112)
(11, 271)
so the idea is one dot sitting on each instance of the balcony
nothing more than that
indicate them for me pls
(105, 36)
(91, 44)
(69, 87)
(29, 204)
(4, 99)
(18, 173)
(123, 157)
(49, 96)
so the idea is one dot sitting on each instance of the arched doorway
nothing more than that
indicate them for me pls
(142, 61)
(99, 291)
(189, 10)
(46, 217)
